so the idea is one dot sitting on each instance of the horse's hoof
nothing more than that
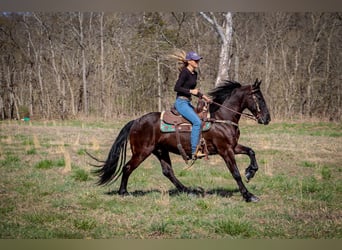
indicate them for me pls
(198, 191)
(253, 199)
(249, 175)
(123, 193)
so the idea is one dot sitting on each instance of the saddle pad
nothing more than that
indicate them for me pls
(167, 128)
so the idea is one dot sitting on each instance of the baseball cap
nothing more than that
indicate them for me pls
(192, 56)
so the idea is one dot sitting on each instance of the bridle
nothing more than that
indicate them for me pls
(249, 116)
(254, 90)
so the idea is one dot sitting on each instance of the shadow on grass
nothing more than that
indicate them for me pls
(198, 191)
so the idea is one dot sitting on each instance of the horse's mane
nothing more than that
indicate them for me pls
(222, 92)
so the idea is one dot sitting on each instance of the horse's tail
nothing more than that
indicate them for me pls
(111, 170)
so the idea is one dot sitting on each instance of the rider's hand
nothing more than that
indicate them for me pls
(206, 98)
(194, 92)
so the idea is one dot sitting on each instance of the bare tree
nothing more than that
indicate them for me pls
(225, 33)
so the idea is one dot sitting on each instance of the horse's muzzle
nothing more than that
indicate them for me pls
(264, 120)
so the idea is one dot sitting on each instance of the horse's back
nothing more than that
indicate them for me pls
(146, 125)
(146, 133)
(151, 117)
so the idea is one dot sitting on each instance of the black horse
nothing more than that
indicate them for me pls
(146, 138)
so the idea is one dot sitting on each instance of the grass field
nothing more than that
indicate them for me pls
(47, 189)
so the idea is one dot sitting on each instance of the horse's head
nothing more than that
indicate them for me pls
(230, 95)
(257, 104)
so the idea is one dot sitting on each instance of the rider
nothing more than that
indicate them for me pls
(185, 88)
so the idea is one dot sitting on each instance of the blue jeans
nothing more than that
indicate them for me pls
(185, 108)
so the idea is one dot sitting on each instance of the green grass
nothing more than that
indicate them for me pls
(298, 183)
(233, 228)
(44, 164)
(48, 164)
(85, 224)
(31, 151)
(308, 164)
(10, 161)
(80, 175)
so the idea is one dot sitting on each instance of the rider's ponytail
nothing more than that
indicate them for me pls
(179, 55)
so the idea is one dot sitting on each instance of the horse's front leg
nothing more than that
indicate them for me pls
(253, 165)
(229, 158)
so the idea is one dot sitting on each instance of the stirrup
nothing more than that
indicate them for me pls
(199, 150)
(194, 157)
(190, 163)
(199, 155)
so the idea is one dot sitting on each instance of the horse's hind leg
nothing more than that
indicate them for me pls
(127, 170)
(165, 161)
(253, 166)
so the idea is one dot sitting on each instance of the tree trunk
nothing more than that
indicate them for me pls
(102, 70)
(318, 31)
(84, 76)
(159, 85)
(225, 32)
(71, 91)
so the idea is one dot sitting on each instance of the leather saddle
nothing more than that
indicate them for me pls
(171, 118)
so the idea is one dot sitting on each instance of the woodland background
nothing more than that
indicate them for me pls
(80, 64)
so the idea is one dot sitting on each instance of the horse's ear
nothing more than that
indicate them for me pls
(256, 83)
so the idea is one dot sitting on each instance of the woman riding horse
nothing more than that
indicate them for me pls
(146, 138)
(185, 88)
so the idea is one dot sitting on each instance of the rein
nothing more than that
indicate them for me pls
(243, 114)
(226, 122)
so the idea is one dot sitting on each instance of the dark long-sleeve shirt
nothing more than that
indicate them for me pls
(185, 82)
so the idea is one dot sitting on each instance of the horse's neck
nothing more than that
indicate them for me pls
(230, 111)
